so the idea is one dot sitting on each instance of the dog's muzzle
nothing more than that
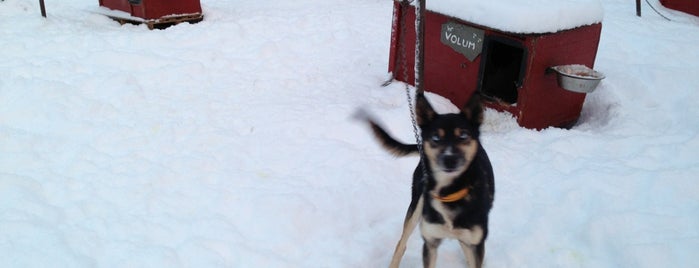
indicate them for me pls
(449, 161)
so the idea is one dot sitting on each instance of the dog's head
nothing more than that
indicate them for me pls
(450, 141)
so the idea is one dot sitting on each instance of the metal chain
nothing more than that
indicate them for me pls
(404, 66)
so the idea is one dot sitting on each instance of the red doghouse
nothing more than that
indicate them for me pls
(156, 12)
(687, 6)
(511, 70)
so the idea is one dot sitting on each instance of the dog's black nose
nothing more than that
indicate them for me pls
(450, 162)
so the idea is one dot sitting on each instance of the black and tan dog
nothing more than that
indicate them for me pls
(453, 197)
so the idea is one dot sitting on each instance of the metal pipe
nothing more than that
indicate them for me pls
(43, 8)
(420, 47)
(638, 8)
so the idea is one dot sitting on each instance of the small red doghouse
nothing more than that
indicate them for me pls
(156, 12)
(510, 69)
(687, 6)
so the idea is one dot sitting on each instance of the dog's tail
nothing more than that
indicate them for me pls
(389, 143)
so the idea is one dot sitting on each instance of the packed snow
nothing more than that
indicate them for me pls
(523, 16)
(230, 143)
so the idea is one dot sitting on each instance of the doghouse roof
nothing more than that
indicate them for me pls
(522, 16)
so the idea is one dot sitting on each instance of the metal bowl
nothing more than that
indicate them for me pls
(577, 78)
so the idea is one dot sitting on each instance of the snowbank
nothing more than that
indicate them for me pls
(523, 16)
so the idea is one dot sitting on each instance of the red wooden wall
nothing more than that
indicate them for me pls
(154, 9)
(687, 6)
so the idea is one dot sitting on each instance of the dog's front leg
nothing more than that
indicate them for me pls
(474, 254)
(429, 252)
(411, 220)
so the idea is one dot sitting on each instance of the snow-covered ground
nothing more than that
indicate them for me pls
(229, 143)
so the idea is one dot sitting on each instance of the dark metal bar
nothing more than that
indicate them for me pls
(43, 8)
(420, 47)
(638, 8)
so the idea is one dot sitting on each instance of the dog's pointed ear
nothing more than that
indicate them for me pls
(423, 110)
(473, 110)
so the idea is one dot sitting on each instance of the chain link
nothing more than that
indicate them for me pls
(404, 65)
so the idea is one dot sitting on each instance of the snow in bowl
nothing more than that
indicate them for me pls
(577, 78)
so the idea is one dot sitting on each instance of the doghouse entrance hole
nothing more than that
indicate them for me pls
(503, 70)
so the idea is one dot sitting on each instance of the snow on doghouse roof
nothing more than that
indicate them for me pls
(522, 16)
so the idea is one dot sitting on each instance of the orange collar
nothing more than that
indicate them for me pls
(452, 197)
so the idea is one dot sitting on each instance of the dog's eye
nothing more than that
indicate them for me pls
(464, 135)
(435, 137)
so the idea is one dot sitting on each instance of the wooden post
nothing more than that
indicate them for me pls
(420, 46)
(43, 8)
(638, 8)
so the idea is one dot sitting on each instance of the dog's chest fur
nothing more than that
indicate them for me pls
(473, 234)
(449, 220)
